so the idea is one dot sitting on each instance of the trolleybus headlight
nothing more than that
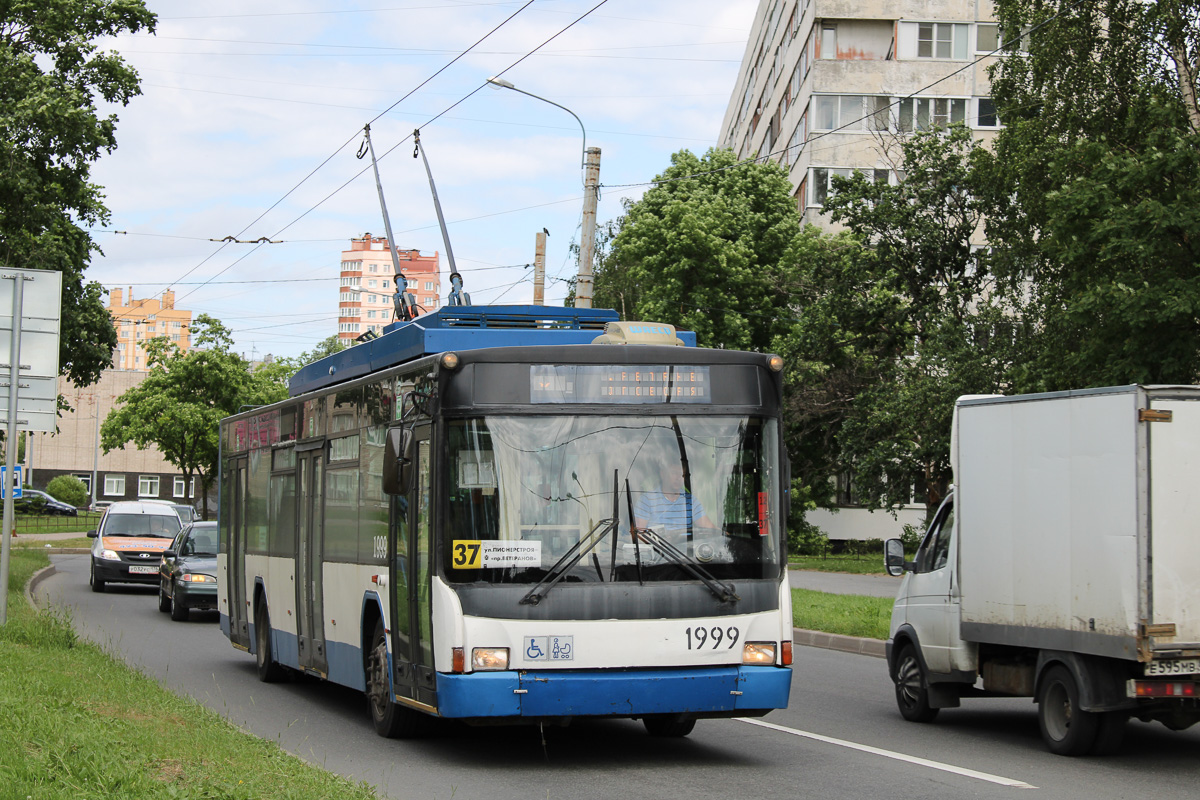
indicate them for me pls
(450, 360)
(758, 653)
(489, 658)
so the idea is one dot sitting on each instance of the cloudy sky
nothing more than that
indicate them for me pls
(252, 114)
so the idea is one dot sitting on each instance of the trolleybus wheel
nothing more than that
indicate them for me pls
(1067, 729)
(669, 725)
(269, 670)
(391, 719)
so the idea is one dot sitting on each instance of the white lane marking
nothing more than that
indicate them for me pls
(922, 762)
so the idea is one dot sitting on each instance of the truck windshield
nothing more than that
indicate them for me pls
(525, 491)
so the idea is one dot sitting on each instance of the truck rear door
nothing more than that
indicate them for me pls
(1174, 541)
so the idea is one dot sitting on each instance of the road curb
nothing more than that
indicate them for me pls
(35, 581)
(846, 644)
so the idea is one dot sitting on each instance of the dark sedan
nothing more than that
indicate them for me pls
(33, 501)
(188, 573)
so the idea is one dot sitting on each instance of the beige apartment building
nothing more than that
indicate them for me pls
(830, 86)
(126, 474)
(140, 320)
(827, 87)
(368, 284)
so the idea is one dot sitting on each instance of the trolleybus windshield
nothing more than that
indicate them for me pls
(527, 490)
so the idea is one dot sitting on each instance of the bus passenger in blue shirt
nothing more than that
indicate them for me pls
(669, 511)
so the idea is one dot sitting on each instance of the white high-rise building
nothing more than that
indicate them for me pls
(829, 86)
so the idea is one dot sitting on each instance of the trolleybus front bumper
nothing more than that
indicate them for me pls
(702, 692)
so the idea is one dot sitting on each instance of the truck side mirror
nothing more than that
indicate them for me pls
(396, 460)
(893, 557)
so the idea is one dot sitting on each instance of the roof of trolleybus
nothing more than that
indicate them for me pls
(460, 328)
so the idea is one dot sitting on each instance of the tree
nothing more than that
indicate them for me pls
(179, 406)
(704, 247)
(68, 489)
(1095, 189)
(51, 76)
(899, 325)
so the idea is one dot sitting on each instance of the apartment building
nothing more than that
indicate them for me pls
(368, 283)
(138, 321)
(830, 86)
(74, 449)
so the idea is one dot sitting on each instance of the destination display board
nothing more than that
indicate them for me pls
(577, 383)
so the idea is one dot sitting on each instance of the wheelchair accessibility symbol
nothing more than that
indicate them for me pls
(549, 648)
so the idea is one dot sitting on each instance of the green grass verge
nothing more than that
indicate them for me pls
(79, 724)
(847, 614)
(53, 544)
(859, 565)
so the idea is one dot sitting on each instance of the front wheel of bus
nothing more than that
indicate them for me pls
(391, 719)
(669, 725)
(269, 670)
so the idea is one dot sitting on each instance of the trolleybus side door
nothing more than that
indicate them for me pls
(239, 623)
(310, 555)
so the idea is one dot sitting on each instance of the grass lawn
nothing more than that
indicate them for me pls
(79, 724)
(859, 565)
(847, 614)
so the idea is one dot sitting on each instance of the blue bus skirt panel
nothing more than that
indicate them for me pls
(613, 693)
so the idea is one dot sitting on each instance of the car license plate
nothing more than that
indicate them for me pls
(1174, 666)
(143, 569)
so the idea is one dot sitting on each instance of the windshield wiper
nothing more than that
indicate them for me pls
(572, 557)
(722, 591)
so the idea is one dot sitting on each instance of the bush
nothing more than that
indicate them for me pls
(911, 537)
(68, 489)
(806, 539)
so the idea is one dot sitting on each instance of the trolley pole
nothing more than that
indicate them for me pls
(539, 271)
(587, 244)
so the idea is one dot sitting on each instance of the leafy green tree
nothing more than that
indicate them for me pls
(68, 489)
(901, 324)
(52, 74)
(703, 249)
(1095, 190)
(179, 406)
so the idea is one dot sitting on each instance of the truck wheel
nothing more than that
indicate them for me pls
(391, 720)
(912, 687)
(1066, 728)
(669, 725)
(269, 670)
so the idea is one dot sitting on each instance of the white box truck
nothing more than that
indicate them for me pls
(1064, 565)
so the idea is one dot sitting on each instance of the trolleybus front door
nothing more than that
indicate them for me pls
(412, 637)
(239, 623)
(310, 554)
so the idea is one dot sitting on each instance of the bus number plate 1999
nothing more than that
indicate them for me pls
(712, 637)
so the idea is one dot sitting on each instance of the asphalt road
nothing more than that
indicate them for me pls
(841, 736)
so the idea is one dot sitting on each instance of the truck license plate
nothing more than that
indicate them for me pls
(143, 569)
(1174, 666)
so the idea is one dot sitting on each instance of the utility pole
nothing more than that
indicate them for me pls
(539, 271)
(587, 244)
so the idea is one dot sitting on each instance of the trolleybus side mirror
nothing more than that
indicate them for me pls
(396, 461)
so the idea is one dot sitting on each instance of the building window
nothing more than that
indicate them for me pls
(87, 482)
(371, 283)
(986, 118)
(387, 284)
(371, 314)
(822, 180)
(178, 486)
(850, 112)
(147, 486)
(114, 485)
(829, 40)
(429, 286)
(941, 39)
(926, 113)
(374, 268)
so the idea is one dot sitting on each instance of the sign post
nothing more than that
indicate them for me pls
(32, 331)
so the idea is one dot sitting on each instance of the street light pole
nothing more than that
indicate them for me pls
(591, 192)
